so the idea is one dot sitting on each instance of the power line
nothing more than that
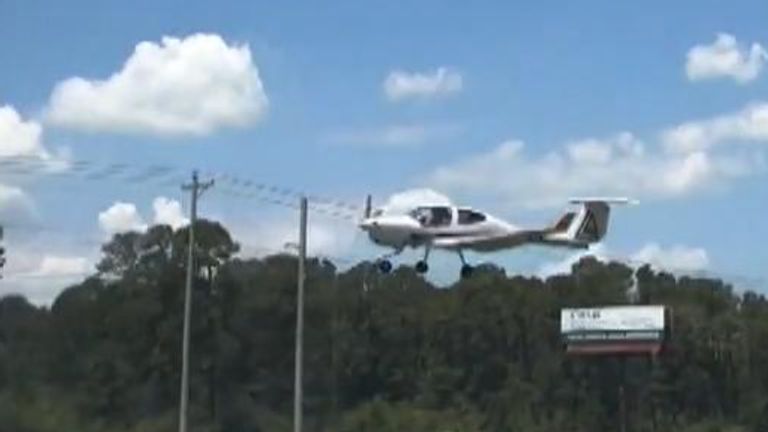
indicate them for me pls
(165, 174)
(284, 202)
(317, 200)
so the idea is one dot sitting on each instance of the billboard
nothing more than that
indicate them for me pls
(614, 328)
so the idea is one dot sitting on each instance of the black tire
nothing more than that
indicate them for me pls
(422, 267)
(466, 271)
(385, 266)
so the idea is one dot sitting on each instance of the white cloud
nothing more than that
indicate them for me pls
(592, 151)
(401, 85)
(40, 276)
(725, 58)
(21, 152)
(564, 266)
(63, 266)
(269, 238)
(408, 199)
(676, 258)
(749, 124)
(621, 165)
(15, 205)
(121, 217)
(189, 86)
(690, 157)
(125, 216)
(169, 212)
(20, 138)
(394, 136)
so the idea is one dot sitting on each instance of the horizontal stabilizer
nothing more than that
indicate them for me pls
(607, 200)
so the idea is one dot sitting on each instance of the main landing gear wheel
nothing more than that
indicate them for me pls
(466, 271)
(385, 266)
(422, 267)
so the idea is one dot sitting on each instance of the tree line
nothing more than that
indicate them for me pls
(382, 352)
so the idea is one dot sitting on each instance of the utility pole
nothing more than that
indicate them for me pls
(2, 252)
(297, 385)
(623, 395)
(196, 189)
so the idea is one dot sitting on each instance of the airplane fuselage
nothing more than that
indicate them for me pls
(453, 232)
(462, 228)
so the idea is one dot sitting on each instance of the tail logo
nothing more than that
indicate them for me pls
(589, 226)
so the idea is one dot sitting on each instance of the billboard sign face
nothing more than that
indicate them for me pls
(616, 318)
(613, 329)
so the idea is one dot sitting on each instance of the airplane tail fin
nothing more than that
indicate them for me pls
(586, 226)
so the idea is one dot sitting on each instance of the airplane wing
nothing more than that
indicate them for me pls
(488, 243)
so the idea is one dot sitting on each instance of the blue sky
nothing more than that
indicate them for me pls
(555, 76)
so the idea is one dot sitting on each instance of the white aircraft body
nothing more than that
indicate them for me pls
(463, 228)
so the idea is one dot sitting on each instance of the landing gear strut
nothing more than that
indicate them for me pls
(466, 269)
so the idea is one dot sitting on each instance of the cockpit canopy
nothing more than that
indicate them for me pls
(432, 216)
(442, 216)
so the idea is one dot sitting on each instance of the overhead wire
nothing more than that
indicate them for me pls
(342, 209)
(165, 175)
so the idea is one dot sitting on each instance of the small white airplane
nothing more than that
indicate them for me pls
(463, 228)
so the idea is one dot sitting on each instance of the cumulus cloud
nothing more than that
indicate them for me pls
(564, 266)
(40, 276)
(15, 205)
(188, 86)
(124, 216)
(121, 217)
(688, 158)
(400, 85)
(394, 136)
(620, 165)
(725, 58)
(169, 212)
(21, 152)
(268, 238)
(63, 266)
(675, 258)
(750, 124)
(19, 137)
(406, 200)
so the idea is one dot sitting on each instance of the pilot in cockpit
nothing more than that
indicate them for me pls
(423, 215)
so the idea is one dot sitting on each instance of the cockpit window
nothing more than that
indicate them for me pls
(467, 217)
(432, 216)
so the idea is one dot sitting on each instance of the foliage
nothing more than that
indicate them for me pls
(382, 353)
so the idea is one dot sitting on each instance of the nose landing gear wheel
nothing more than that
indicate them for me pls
(422, 267)
(466, 271)
(385, 266)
